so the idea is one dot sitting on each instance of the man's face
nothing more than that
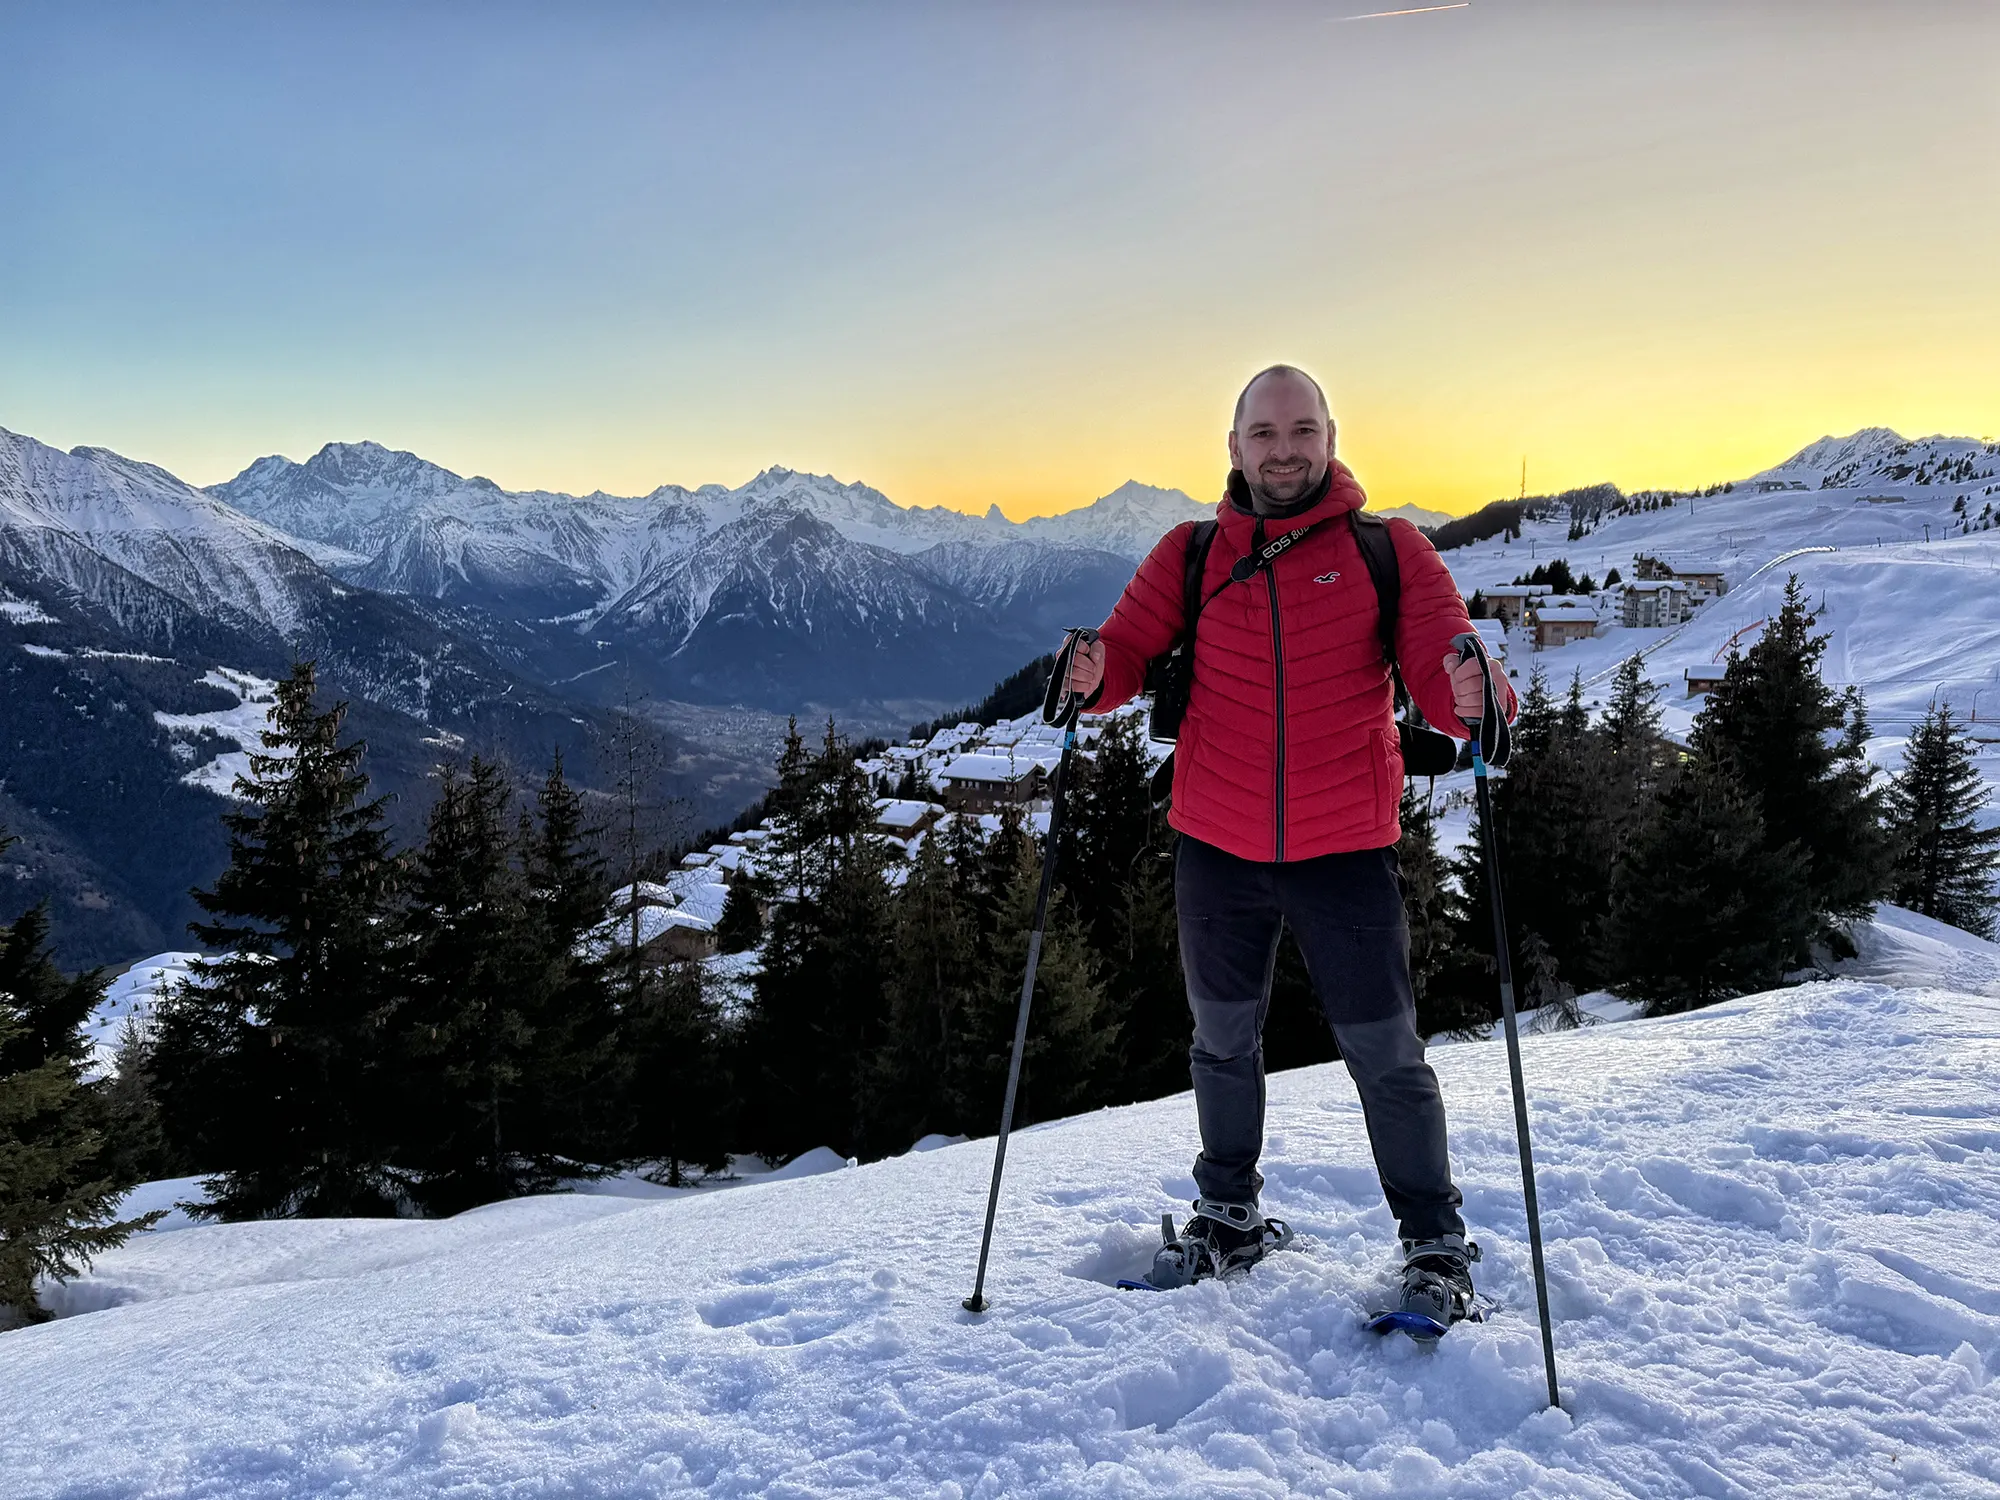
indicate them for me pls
(1282, 444)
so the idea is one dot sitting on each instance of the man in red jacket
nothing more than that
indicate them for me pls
(1287, 781)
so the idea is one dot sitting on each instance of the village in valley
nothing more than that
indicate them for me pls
(979, 771)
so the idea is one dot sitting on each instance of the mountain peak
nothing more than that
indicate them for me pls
(1831, 452)
(369, 465)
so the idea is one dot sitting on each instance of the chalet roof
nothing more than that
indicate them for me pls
(994, 768)
(893, 814)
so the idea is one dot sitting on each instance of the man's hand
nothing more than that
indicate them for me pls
(1468, 688)
(1086, 668)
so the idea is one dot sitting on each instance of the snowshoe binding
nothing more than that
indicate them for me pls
(1221, 1238)
(1437, 1290)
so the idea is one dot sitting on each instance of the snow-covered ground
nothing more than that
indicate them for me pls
(1912, 605)
(132, 996)
(242, 724)
(1771, 1230)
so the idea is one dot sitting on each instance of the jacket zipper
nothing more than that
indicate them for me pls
(1278, 682)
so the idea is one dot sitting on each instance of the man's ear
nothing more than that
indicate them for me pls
(1235, 455)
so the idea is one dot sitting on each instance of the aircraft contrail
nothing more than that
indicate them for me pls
(1421, 10)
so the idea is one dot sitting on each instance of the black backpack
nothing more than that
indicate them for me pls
(1426, 752)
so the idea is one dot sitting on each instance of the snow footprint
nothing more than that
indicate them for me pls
(1160, 1395)
(794, 1302)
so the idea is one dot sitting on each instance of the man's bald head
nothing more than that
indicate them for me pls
(1280, 372)
(1282, 440)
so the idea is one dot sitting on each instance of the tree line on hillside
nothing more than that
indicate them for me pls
(1683, 876)
(418, 1031)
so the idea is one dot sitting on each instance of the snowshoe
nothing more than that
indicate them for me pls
(1221, 1238)
(1437, 1290)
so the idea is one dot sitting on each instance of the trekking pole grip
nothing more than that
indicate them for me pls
(1492, 741)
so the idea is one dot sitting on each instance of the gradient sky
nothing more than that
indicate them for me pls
(998, 253)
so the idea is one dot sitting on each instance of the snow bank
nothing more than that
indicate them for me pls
(1900, 947)
(132, 996)
(1769, 1233)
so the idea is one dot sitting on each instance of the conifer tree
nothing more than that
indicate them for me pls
(1117, 874)
(464, 1031)
(266, 1064)
(1632, 731)
(132, 1129)
(680, 1095)
(1454, 991)
(1702, 907)
(1946, 861)
(818, 1007)
(1145, 989)
(741, 925)
(1555, 815)
(933, 977)
(61, 1173)
(1070, 1037)
(1769, 720)
(573, 1109)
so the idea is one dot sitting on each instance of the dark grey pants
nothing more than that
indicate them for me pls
(1346, 911)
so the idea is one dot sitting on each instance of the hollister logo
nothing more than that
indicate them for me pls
(1326, 578)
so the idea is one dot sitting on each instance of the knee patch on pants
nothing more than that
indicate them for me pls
(1225, 1030)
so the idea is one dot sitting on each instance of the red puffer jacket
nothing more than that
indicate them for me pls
(1289, 746)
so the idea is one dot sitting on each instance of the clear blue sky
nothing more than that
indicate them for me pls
(997, 252)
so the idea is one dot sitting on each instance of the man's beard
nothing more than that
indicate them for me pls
(1287, 493)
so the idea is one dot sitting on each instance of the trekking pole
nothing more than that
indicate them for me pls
(1490, 746)
(1059, 706)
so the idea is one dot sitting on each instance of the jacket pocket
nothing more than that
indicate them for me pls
(1386, 757)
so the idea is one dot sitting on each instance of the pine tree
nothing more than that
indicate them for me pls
(818, 1007)
(61, 1172)
(572, 1108)
(1069, 1036)
(933, 977)
(1946, 862)
(266, 1063)
(741, 925)
(464, 1031)
(1145, 990)
(1555, 814)
(681, 1097)
(1769, 720)
(1116, 872)
(1455, 992)
(1702, 907)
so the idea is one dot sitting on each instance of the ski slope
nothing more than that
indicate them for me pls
(1907, 621)
(1771, 1231)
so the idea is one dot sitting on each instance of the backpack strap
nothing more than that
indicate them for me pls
(1378, 551)
(1194, 566)
(1426, 752)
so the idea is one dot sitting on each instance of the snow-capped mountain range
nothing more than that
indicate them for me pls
(450, 611)
(793, 586)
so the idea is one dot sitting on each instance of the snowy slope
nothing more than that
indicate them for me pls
(1909, 618)
(1768, 1225)
(62, 515)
